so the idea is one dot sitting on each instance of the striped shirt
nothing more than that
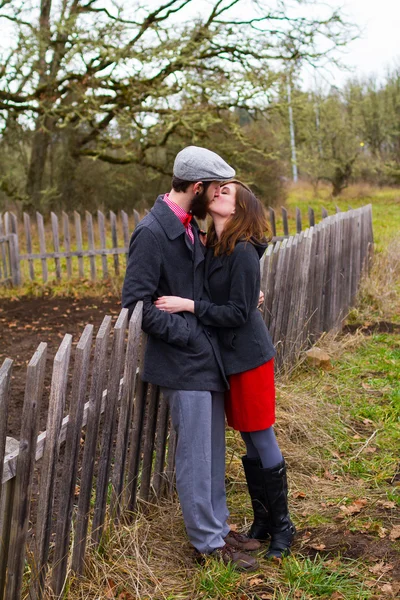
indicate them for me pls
(182, 215)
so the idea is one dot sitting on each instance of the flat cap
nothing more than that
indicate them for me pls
(199, 164)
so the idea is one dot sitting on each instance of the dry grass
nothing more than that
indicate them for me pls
(378, 295)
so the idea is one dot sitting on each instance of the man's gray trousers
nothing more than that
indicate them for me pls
(199, 421)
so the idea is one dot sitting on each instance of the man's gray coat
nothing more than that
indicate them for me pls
(181, 353)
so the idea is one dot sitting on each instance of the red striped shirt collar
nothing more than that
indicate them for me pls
(176, 209)
(181, 214)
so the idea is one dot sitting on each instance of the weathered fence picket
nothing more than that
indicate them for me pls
(94, 411)
(42, 245)
(109, 425)
(21, 501)
(46, 492)
(126, 408)
(102, 234)
(73, 436)
(5, 262)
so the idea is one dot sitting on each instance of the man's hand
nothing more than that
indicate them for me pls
(174, 304)
(261, 299)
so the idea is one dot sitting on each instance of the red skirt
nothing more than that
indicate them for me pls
(250, 401)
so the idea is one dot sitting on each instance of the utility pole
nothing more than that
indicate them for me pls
(291, 126)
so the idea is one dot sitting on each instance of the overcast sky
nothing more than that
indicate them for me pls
(379, 46)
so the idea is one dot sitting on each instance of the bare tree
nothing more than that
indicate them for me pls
(87, 71)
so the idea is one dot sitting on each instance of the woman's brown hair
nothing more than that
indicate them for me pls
(248, 223)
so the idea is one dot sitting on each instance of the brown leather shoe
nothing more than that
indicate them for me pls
(241, 542)
(239, 560)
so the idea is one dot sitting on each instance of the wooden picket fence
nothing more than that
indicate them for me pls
(83, 251)
(309, 280)
(128, 455)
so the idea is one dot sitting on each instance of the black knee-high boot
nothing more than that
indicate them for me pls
(282, 529)
(253, 471)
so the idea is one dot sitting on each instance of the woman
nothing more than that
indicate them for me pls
(236, 241)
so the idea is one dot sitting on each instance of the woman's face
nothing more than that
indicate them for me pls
(224, 203)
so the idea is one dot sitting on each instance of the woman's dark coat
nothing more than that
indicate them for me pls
(233, 282)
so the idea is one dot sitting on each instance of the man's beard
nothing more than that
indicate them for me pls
(199, 205)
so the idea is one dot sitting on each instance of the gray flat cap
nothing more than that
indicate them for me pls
(199, 164)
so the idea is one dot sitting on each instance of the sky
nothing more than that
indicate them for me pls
(379, 45)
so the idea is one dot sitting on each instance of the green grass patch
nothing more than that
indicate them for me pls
(315, 578)
(216, 580)
(385, 206)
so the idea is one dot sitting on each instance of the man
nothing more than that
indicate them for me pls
(166, 257)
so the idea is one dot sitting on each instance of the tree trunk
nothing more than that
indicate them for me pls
(41, 138)
(37, 165)
(69, 164)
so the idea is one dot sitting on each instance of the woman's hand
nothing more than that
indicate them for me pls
(174, 304)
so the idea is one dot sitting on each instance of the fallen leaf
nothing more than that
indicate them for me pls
(337, 596)
(233, 527)
(328, 475)
(370, 583)
(387, 503)
(255, 581)
(109, 590)
(380, 568)
(318, 547)
(266, 597)
(395, 533)
(353, 508)
(387, 589)
(368, 422)
(300, 495)
(370, 449)
(382, 532)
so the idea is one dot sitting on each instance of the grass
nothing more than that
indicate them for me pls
(319, 578)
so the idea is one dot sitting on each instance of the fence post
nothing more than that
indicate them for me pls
(6, 504)
(14, 259)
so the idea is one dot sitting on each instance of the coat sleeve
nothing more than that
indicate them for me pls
(141, 283)
(244, 279)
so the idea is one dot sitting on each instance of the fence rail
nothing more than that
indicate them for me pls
(86, 250)
(309, 280)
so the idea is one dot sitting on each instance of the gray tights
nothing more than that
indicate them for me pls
(263, 445)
